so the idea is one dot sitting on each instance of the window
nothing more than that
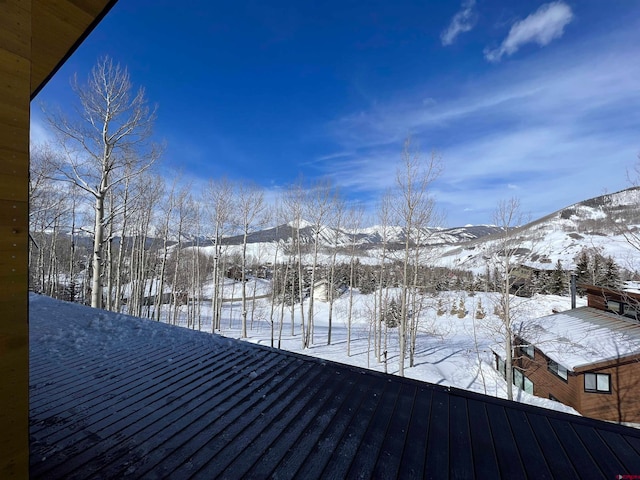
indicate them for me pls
(528, 386)
(621, 308)
(522, 382)
(502, 366)
(525, 348)
(528, 350)
(518, 378)
(631, 312)
(597, 382)
(558, 370)
(614, 306)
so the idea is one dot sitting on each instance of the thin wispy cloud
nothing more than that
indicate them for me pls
(542, 126)
(542, 27)
(463, 21)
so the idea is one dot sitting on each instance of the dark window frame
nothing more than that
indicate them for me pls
(597, 390)
(556, 371)
(525, 350)
(625, 309)
(524, 379)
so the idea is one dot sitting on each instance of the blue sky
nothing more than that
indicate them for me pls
(535, 100)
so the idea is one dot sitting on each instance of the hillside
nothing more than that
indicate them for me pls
(597, 223)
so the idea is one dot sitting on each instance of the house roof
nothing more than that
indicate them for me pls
(584, 336)
(117, 397)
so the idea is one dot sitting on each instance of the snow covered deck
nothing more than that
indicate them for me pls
(116, 397)
(586, 335)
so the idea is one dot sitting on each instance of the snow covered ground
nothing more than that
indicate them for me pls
(450, 350)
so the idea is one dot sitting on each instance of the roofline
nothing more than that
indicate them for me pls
(608, 363)
(74, 47)
(595, 289)
(459, 392)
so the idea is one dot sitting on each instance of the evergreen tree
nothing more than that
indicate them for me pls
(462, 311)
(610, 274)
(539, 282)
(391, 314)
(582, 270)
(558, 284)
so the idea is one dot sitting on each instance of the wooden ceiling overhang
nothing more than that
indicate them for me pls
(58, 28)
(36, 38)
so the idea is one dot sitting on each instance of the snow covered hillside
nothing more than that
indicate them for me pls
(599, 224)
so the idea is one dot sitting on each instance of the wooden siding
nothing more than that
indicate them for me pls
(621, 405)
(546, 382)
(15, 93)
(36, 36)
(596, 296)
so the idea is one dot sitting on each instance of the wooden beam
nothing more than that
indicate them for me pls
(15, 94)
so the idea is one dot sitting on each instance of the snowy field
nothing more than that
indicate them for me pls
(449, 350)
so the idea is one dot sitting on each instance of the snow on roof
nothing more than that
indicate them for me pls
(112, 396)
(586, 335)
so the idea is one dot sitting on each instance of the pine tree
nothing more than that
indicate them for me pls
(582, 270)
(610, 274)
(480, 313)
(391, 314)
(462, 311)
(558, 285)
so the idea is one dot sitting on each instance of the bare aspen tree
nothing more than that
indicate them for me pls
(427, 217)
(279, 279)
(47, 209)
(137, 201)
(250, 211)
(317, 210)
(107, 143)
(166, 209)
(218, 198)
(336, 220)
(353, 223)
(414, 178)
(182, 212)
(293, 203)
(384, 216)
(507, 216)
(275, 280)
(110, 238)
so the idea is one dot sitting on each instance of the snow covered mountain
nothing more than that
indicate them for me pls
(596, 223)
(365, 238)
(602, 223)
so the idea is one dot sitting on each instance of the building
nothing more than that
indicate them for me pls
(322, 288)
(587, 357)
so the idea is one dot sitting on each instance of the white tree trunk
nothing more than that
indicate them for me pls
(98, 228)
